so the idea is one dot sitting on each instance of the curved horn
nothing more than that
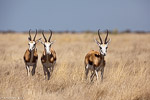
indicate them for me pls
(30, 35)
(50, 35)
(100, 37)
(106, 37)
(44, 36)
(35, 35)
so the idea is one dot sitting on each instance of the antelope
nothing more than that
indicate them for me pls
(94, 60)
(48, 58)
(31, 56)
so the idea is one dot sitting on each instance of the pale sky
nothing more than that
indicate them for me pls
(77, 15)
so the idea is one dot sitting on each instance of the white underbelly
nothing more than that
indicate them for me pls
(90, 67)
(30, 64)
(48, 64)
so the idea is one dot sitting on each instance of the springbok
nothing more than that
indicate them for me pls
(94, 60)
(48, 58)
(31, 56)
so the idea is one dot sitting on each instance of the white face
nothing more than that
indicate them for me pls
(103, 49)
(47, 46)
(31, 45)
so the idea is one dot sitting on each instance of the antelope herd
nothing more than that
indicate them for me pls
(94, 60)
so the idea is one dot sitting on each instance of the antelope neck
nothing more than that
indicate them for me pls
(102, 57)
(31, 55)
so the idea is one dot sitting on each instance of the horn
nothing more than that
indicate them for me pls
(100, 37)
(44, 36)
(106, 37)
(30, 35)
(50, 35)
(35, 35)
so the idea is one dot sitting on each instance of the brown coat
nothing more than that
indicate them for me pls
(94, 58)
(28, 58)
(51, 58)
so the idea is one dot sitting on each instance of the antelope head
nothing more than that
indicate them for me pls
(32, 43)
(103, 45)
(47, 44)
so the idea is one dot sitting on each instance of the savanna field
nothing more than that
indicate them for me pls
(126, 74)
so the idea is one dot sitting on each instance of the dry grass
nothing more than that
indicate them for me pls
(126, 75)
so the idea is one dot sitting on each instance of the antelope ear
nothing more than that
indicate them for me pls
(109, 41)
(96, 42)
(53, 42)
(38, 40)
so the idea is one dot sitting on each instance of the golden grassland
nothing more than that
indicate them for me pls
(126, 75)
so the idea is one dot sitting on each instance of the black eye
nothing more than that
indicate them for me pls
(100, 47)
(106, 47)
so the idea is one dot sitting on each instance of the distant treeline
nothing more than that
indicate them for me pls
(115, 31)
